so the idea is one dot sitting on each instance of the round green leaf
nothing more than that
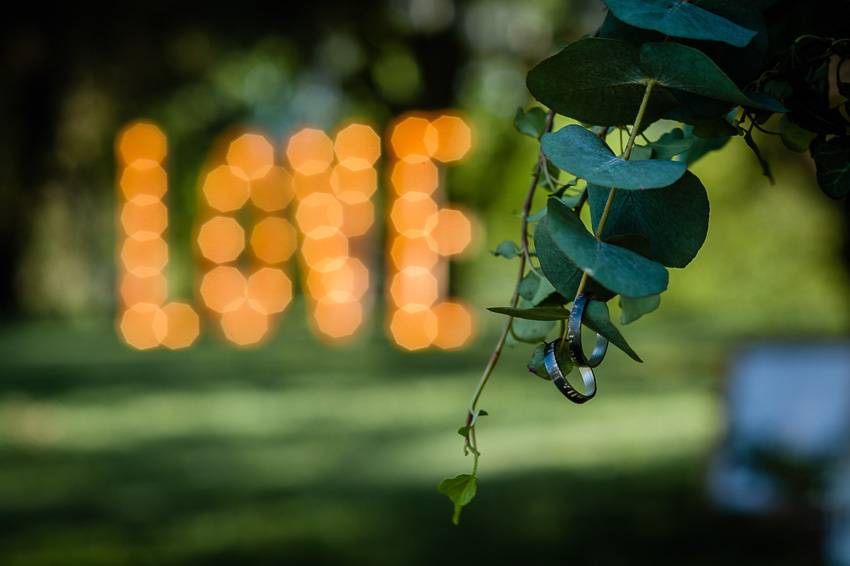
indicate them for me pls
(678, 18)
(598, 81)
(618, 269)
(632, 308)
(583, 154)
(561, 272)
(596, 318)
(673, 219)
(677, 66)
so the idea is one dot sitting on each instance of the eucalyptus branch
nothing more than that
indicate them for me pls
(471, 440)
(627, 152)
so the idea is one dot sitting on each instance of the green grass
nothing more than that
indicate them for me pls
(300, 453)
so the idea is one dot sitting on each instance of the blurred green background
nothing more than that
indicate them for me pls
(301, 452)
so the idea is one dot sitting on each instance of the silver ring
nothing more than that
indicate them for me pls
(550, 360)
(574, 336)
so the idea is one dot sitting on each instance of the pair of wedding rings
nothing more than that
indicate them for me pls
(585, 364)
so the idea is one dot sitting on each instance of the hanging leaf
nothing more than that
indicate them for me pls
(596, 318)
(615, 28)
(702, 146)
(832, 159)
(618, 269)
(677, 66)
(561, 272)
(533, 313)
(673, 220)
(580, 152)
(598, 81)
(534, 288)
(537, 366)
(507, 249)
(632, 309)
(530, 331)
(532, 123)
(671, 144)
(678, 18)
(461, 490)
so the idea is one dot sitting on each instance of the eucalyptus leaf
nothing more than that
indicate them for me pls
(596, 318)
(537, 365)
(681, 67)
(678, 18)
(618, 269)
(461, 490)
(507, 249)
(560, 271)
(640, 153)
(530, 331)
(531, 122)
(534, 288)
(583, 154)
(673, 220)
(537, 216)
(632, 308)
(533, 313)
(671, 144)
(832, 160)
(597, 81)
(703, 146)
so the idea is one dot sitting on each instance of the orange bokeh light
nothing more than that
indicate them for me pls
(225, 190)
(352, 186)
(305, 185)
(142, 140)
(412, 252)
(151, 289)
(325, 254)
(269, 290)
(449, 231)
(183, 326)
(143, 177)
(144, 326)
(414, 138)
(251, 155)
(273, 239)
(454, 325)
(418, 176)
(347, 282)
(310, 151)
(273, 191)
(357, 218)
(223, 288)
(413, 327)
(221, 239)
(410, 213)
(144, 218)
(414, 286)
(319, 215)
(357, 146)
(245, 325)
(337, 320)
(454, 138)
(144, 257)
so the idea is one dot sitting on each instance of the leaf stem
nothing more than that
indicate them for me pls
(471, 441)
(627, 152)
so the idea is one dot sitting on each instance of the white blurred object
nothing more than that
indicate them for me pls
(790, 401)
